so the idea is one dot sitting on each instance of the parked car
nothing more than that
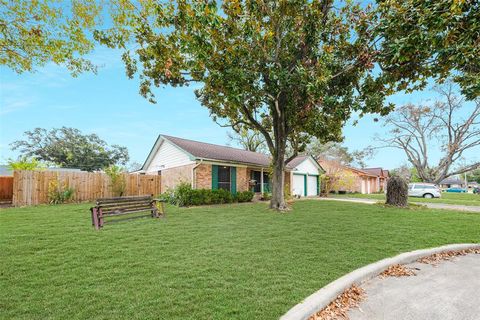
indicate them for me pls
(424, 190)
(476, 190)
(456, 189)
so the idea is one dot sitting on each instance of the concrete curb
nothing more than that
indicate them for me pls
(327, 294)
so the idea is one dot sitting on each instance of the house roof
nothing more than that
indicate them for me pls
(377, 171)
(452, 180)
(204, 150)
(299, 159)
(296, 161)
(215, 152)
(325, 163)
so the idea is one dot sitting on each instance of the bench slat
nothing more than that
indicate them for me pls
(123, 199)
(127, 209)
(125, 204)
(121, 213)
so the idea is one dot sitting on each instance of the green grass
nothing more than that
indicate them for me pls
(225, 262)
(466, 199)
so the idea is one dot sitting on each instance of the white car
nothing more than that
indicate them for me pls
(424, 190)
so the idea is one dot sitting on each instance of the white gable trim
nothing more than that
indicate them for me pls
(153, 152)
(312, 160)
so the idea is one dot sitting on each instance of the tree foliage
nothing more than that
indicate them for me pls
(422, 39)
(416, 129)
(25, 163)
(34, 33)
(69, 148)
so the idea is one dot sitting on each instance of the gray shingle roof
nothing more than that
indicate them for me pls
(296, 161)
(211, 151)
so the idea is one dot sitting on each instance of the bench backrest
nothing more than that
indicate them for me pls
(124, 204)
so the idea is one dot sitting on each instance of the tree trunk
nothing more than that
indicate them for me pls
(278, 181)
(280, 140)
(397, 192)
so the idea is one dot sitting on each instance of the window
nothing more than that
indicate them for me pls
(256, 175)
(224, 178)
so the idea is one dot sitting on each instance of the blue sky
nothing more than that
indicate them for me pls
(109, 105)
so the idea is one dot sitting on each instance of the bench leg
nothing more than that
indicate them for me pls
(95, 218)
(100, 218)
(154, 212)
(162, 206)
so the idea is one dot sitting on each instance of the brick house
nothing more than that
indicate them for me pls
(210, 166)
(369, 180)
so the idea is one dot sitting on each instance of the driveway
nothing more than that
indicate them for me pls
(427, 204)
(448, 290)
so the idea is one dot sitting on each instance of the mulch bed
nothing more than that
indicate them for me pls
(338, 309)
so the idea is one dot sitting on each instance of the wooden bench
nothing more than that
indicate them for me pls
(119, 206)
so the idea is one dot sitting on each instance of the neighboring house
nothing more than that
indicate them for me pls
(382, 178)
(452, 182)
(364, 180)
(210, 166)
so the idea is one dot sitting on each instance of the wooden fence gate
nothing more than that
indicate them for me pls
(31, 187)
(6, 189)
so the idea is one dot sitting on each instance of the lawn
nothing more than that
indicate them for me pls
(466, 199)
(224, 262)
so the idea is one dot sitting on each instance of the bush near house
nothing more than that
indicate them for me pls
(183, 196)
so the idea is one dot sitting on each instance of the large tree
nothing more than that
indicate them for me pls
(34, 33)
(449, 124)
(69, 148)
(288, 69)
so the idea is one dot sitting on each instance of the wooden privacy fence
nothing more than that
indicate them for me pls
(31, 187)
(6, 188)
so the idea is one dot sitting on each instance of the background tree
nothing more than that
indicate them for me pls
(288, 69)
(474, 176)
(250, 140)
(338, 152)
(69, 148)
(414, 129)
(406, 172)
(34, 33)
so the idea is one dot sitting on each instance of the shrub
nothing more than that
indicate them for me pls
(118, 183)
(183, 195)
(25, 163)
(245, 196)
(266, 196)
(59, 193)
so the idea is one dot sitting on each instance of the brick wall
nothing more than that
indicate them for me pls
(173, 176)
(243, 176)
(203, 176)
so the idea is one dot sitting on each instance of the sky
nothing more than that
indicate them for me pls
(109, 105)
